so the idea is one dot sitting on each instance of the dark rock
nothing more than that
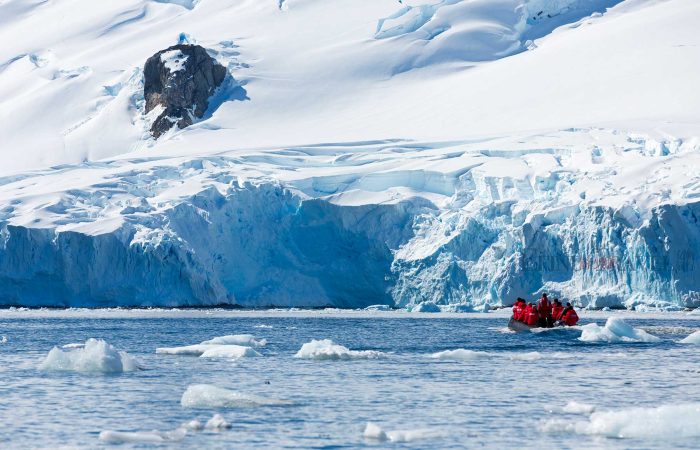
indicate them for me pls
(181, 79)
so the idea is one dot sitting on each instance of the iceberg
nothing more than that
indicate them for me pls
(211, 397)
(229, 351)
(230, 346)
(327, 350)
(95, 356)
(246, 340)
(615, 330)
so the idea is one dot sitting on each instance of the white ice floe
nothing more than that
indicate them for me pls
(154, 437)
(3, 340)
(194, 425)
(663, 422)
(74, 345)
(574, 407)
(262, 325)
(615, 330)
(230, 346)
(217, 423)
(209, 396)
(375, 432)
(174, 60)
(461, 354)
(229, 351)
(426, 307)
(246, 340)
(95, 356)
(327, 349)
(693, 338)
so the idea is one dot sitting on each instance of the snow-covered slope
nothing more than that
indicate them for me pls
(372, 152)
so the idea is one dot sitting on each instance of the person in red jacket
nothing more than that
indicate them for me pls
(533, 317)
(518, 309)
(557, 309)
(569, 316)
(523, 306)
(544, 308)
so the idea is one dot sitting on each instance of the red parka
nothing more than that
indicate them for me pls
(570, 317)
(517, 310)
(557, 309)
(533, 316)
(544, 307)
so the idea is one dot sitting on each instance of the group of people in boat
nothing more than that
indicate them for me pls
(544, 313)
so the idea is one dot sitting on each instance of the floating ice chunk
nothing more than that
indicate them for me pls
(74, 345)
(262, 325)
(121, 437)
(246, 340)
(693, 338)
(188, 350)
(3, 340)
(229, 351)
(374, 431)
(217, 423)
(327, 349)
(528, 356)
(194, 425)
(663, 423)
(426, 307)
(95, 356)
(378, 308)
(461, 354)
(209, 396)
(174, 60)
(578, 408)
(615, 330)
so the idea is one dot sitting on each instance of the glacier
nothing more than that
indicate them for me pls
(451, 154)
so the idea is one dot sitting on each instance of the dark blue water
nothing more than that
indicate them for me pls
(497, 402)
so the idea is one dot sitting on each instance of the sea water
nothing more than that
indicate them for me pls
(408, 381)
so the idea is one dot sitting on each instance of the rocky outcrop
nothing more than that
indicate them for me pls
(178, 82)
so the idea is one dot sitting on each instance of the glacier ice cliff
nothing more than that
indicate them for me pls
(352, 225)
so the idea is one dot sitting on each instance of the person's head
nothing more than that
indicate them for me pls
(568, 305)
(556, 300)
(544, 295)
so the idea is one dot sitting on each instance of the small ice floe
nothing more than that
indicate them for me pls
(615, 330)
(663, 423)
(193, 425)
(154, 437)
(95, 355)
(265, 326)
(209, 396)
(246, 340)
(327, 350)
(217, 423)
(461, 354)
(375, 432)
(231, 346)
(74, 345)
(426, 307)
(3, 339)
(693, 338)
(378, 308)
(229, 351)
(572, 407)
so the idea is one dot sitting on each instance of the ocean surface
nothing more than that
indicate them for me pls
(527, 390)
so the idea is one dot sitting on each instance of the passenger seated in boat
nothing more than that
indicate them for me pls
(569, 316)
(519, 309)
(533, 317)
(557, 309)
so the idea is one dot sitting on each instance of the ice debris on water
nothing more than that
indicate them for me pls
(3, 340)
(230, 346)
(693, 338)
(209, 396)
(151, 437)
(659, 423)
(461, 354)
(95, 356)
(326, 349)
(217, 423)
(615, 330)
(375, 432)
